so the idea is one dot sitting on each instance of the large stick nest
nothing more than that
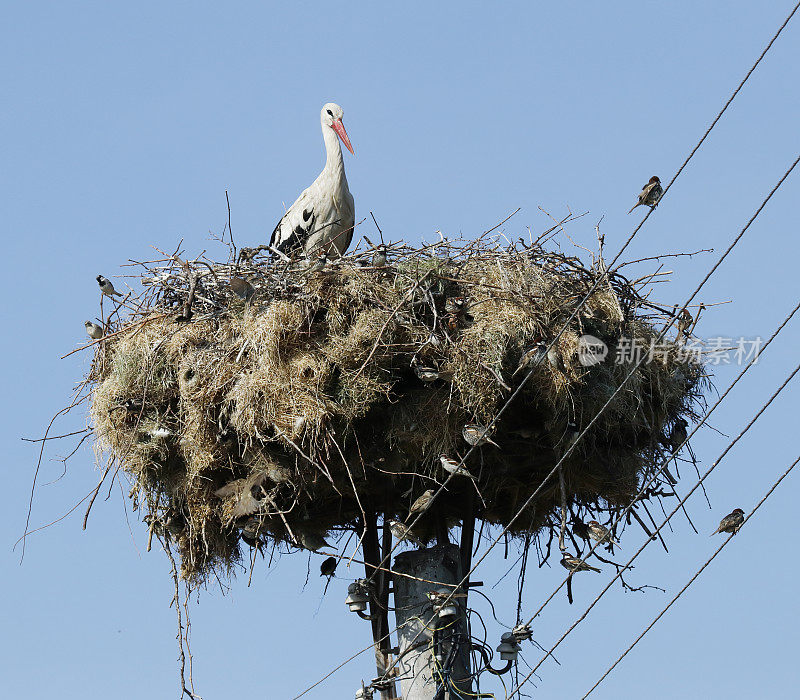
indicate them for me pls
(291, 413)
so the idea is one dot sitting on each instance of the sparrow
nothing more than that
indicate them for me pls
(426, 374)
(453, 467)
(476, 435)
(402, 532)
(575, 564)
(600, 533)
(731, 522)
(684, 323)
(571, 435)
(242, 288)
(174, 522)
(106, 287)
(521, 632)
(532, 357)
(650, 194)
(438, 597)
(311, 541)
(251, 533)
(318, 264)
(328, 567)
(422, 503)
(454, 305)
(379, 257)
(677, 435)
(94, 331)
(246, 495)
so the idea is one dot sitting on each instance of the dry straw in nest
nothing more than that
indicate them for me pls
(288, 415)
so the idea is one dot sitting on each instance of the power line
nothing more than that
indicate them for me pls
(630, 374)
(704, 419)
(583, 301)
(604, 273)
(647, 542)
(691, 581)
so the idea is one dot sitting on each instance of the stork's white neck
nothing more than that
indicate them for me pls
(334, 165)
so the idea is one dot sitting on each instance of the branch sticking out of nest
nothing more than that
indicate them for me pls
(328, 389)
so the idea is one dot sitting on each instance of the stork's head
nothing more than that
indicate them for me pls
(331, 116)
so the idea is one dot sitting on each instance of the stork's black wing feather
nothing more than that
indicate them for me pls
(298, 236)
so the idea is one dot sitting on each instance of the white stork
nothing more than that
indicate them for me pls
(322, 218)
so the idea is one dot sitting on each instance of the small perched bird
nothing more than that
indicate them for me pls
(94, 331)
(477, 435)
(532, 357)
(522, 632)
(453, 467)
(600, 533)
(454, 305)
(426, 374)
(422, 503)
(174, 522)
(684, 323)
(575, 564)
(311, 541)
(439, 597)
(106, 287)
(402, 532)
(251, 533)
(328, 566)
(731, 522)
(323, 216)
(379, 257)
(319, 264)
(650, 194)
(242, 288)
(570, 435)
(677, 435)
(247, 496)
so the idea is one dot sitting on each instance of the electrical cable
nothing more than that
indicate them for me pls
(691, 580)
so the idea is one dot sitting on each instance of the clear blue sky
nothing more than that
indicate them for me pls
(124, 123)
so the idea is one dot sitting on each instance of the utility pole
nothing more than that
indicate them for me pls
(434, 649)
(379, 602)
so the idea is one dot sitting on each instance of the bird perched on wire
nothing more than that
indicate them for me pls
(522, 632)
(731, 522)
(600, 533)
(94, 331)
(380, 257)
(323, 216)
(106, 287)
(575, 564)
(422, 503)
(451, 466)
(532, 357)
(403, 532)
(571, 435)
(650, 194)
(439, 597)
(476, 434)
(242, 288)
(328, 568)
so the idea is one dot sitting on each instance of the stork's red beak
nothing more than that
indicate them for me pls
(338, 127)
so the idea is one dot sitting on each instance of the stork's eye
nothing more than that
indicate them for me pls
(329, 112)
